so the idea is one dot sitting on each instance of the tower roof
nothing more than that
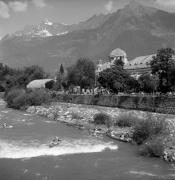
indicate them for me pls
(118, 52)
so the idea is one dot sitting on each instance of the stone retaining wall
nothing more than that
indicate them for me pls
(161, 104)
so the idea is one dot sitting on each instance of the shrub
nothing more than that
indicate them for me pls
(147, 128)
(38, 97)
(20, 102)
(76, 116)
(154, 148)
(126, 120)
(50, 84)
(102, 118)
(20, 99)
(12, 95)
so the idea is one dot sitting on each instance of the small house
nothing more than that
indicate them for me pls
(39, 83)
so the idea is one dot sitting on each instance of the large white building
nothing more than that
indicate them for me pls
(116, 54)
(135, 67)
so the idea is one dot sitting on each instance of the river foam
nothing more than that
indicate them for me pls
(15, 150)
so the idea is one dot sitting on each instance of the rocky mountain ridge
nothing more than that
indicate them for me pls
(137, 29)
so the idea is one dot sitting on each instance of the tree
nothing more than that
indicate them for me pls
(60, 77)
(171, 77)
(148, 83)
(82, 73)
(61, 69)
(115, 78)
(161, 66)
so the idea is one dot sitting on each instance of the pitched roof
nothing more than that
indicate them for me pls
(39, 83)
(140, 62)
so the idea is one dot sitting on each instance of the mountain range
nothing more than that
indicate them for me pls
(137, 29)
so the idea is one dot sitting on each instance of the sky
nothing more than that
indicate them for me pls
(15, 14)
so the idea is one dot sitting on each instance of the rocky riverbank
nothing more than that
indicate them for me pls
(82, 117)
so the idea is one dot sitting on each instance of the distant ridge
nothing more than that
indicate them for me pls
(137, 29)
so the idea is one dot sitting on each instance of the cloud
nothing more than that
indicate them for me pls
(39, 3)
(166, 3)
(4, 10)
(18, 6)
(109, 6)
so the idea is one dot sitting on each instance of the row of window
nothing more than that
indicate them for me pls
(147, 63)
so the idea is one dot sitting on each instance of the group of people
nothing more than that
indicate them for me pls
(88, 91)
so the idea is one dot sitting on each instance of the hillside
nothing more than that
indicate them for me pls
(137, 29)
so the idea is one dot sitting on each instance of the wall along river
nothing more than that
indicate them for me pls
(25, 153)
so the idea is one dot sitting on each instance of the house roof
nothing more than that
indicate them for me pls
(39, 83)
(140, 62)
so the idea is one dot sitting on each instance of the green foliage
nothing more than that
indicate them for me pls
(50, 84)
(10, 78)
(20, 99)
(154, 148)
(116, 79)
(31, 73)
(126, 120)
(161, 65)
(13, 95)
(61, 69)
(148, 83)
(76, 116)
(102, 118)
(82, 73)
(38, 97)
(148, 128)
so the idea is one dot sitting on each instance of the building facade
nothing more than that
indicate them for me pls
(116, 54)
(135, 67)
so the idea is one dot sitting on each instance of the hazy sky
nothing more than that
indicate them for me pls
(15, 14)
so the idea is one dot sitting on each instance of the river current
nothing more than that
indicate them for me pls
(25, 153)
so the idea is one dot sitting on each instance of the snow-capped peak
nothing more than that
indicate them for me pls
(47, 22)
(44, 33)
(63, 33)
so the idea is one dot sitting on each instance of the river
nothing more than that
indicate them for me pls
(25, 154)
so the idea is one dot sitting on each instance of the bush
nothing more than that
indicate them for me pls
(102, 118)
(38, 97)
(20, 102)
(126, 120)
(147, 128)
(12, 95)
(20, 99)
(76, 116)
(154, 148)
(50, 84)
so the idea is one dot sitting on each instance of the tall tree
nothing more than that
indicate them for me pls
(148, 83)
(116, 78)
(61, 69)
(82, 73)
(161, 65)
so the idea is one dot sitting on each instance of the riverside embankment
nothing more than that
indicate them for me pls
(159, 104)
(81, 117)
(25, 154)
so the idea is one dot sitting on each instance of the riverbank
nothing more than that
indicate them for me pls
(82, 117)
(152, 103)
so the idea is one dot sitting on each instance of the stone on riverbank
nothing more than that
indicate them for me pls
(81, 116)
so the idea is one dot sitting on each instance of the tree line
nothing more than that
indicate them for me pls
(115, 79)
